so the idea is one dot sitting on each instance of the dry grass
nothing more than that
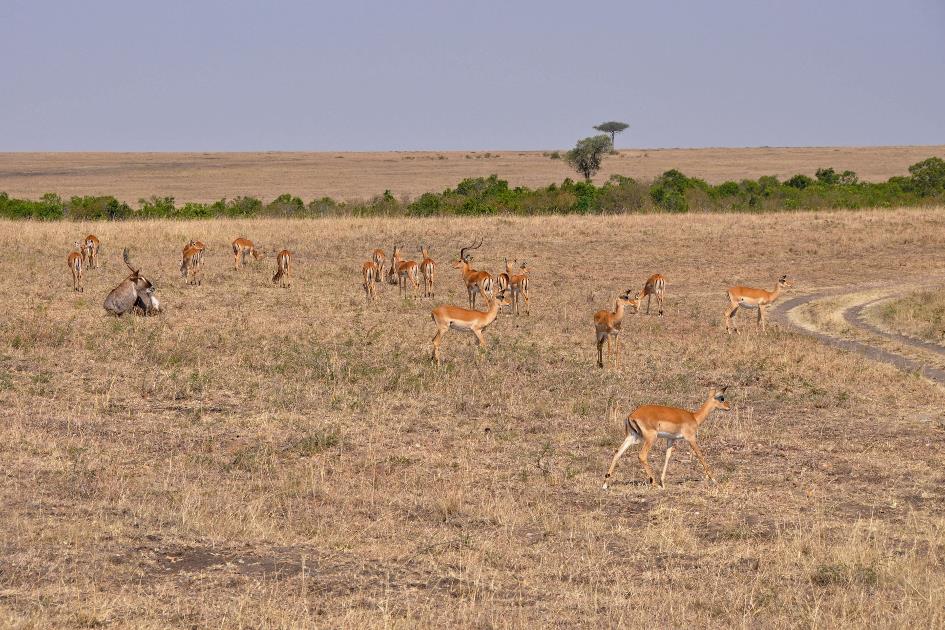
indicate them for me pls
(921, 314)
(348, 176)
(267, 457)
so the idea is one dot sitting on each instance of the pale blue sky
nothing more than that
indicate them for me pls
(230, 75)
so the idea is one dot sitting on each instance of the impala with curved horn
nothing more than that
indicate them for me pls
(477, 282)
(647, 423)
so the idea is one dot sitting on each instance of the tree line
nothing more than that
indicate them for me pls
(670, 192)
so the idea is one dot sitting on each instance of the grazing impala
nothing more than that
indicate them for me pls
(607, 324)
(518, 285)
(243, 247)
(190, 265)
(370, 272)
(427, 267)
(447, 316)
(378, 256)
(476, 281)
(75, 265)
(753, 298)
(649, 422)
(90, 249)
(655, 285)
(282, 268)
(406, 271)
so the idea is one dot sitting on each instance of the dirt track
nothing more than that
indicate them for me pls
(853, 315)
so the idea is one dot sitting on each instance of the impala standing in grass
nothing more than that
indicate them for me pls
(370, 274)
(75, 266)
(406, 271)
(477, 282)
(748, 297)
(607, 325)
(90, 249)
(378, 256)
(448, 316)
(646, 423)
(655, 286)
(190, 264)
(243, 247)
(427, 267)
(199, 246)
(283, 260)
(518, 285)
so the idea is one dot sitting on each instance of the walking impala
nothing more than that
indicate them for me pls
(649, 422)
(370, 272)
(518, 285)
(406, 271)
(190, 264)
(243, 247)
(655, 285)
(748, 297)
(282, 268)
(90, 249)
(427, 267)
(607, 324)
(448, 316)
(75, 266)
(476, 281)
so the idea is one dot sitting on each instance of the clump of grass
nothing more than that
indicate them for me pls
(315, 442)
(920, 314)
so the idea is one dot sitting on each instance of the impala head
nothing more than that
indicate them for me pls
(784, 283)
(718, 399)
(504, 298)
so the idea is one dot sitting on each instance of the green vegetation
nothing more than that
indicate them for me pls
(670, 192)
(587, 155)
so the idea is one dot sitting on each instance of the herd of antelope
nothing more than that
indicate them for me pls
(644, 424)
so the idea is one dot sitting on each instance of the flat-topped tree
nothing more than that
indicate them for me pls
(612, 127)
(588, 153)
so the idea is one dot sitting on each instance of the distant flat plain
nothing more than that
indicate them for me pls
(349, 176)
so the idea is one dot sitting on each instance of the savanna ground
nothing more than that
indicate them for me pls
(346, 176)
(921, 314)
(266, 457)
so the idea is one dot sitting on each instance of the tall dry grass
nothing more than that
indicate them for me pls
(267, 457)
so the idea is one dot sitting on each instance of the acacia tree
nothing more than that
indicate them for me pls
(588, 153)
(613, 128)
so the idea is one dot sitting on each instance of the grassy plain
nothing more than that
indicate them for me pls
(207, 177)
(921, 314)
(266, 457)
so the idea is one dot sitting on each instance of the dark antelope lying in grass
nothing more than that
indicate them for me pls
(135, 293)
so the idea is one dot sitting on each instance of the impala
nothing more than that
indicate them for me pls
(75, 265)
(283, 259)
(607, 325)
(134, 293)
(655, 285)
(378, 256)
(427, 267)
(476, 281)
(518, 285)
(748, 297)
(370, 272)
(243, 247)
(90, 249)
(406, 271)
(502, 280)
(200, 249)
(649, 422)
(448, 316)
(190, 264)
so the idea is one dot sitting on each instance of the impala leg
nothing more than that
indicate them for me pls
(600, 351)
(729, 317)
(659, 303)
(644, 456)
(528, 310)
(669, 453)
(617, 352)
(698, 452)
(648, 298)
(437, 340)
(763, 319)
(627, 443)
